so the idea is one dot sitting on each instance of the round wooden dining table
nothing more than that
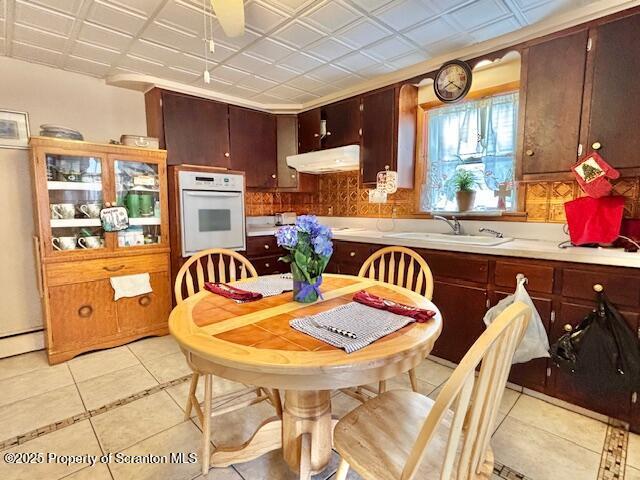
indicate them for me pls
(253, 343)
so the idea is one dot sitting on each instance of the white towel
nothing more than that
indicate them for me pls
(131, 285)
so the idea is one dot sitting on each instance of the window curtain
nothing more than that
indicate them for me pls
(482, 131)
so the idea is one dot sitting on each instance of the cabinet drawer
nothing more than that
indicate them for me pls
(353, 252)
(148, 311)
(104, 268)
(263, 245)
(620, 289)
(540, 277)
(456, 265)
(81, 314)
(270, 265)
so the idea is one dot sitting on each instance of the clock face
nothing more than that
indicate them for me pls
(453, 81)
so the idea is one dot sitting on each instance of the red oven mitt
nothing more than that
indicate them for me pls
(593, 175)
(420, 315)
(594, 220)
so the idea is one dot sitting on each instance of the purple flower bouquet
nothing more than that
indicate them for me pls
(310, 248)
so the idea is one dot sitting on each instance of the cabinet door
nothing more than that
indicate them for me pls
(253, 146)
(149, 311)
(615, 98)
(196, 131)
(462, 311)
(309, 131)
(270, 265)
(554, 84)
(567, 388)
(532, 374)
(343, 123)
(287, 144)
(81, 314)
(377, 134)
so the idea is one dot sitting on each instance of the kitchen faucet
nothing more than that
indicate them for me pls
(453, 223)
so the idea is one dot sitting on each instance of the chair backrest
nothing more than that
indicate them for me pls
(473, 400)
(399, 266)
(214, 265)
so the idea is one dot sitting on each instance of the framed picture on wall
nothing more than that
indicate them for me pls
(14, 129)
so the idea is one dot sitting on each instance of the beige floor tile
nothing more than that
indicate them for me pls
(19, 364)
(541, 455)
(77, 439)
(153, 347)
(577, 428)
(631, 473)
(100, 391)
(433, 372)
(509, 399)
(273, 467)
(236, 427)
(168, 367)
(98, 472)
(96, 364)
(402, 382)
(129, 424)
(183, 438)
(220, 474)
(342, 404)
(35, 412)
(34, 383)
(633, 450)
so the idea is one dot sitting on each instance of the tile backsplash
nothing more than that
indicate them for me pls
(340, 195)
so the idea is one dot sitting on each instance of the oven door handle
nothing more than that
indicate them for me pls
(212, 194)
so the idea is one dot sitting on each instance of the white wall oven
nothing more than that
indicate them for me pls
(211, 211)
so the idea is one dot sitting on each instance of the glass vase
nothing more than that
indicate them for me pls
(303, 291)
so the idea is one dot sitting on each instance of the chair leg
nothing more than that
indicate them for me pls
(343, 469)
(305, 456)
(382, 386)
(277, 401)
(192, 392)
(206, 425)
(414, 380)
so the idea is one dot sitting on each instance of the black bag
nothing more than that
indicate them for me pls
(602, 352)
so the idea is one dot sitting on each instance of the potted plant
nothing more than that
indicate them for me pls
(310, 248)
(462, 185)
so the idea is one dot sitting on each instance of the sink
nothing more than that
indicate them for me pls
(451, 238)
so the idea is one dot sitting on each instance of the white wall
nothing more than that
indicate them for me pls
(100, 112)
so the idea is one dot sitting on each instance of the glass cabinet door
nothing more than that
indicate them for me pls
(137, 187)
(74, 184)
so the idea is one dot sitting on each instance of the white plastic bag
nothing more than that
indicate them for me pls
(535, 343)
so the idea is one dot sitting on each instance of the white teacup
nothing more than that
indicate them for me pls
(62, 210)
(64, 243)
(90, 242)
(91, 210)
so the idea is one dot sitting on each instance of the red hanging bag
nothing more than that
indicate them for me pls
(594, 220)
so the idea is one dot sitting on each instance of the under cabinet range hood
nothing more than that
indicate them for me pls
(339, 159)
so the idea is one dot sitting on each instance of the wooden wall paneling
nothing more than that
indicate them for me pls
(343, 123)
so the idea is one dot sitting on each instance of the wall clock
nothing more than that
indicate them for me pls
(452, 81)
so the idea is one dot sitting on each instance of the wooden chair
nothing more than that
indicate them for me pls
(402, 435)
(217, 265)
(403, 267)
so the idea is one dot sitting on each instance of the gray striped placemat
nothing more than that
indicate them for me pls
(369, 324)
(268, 285)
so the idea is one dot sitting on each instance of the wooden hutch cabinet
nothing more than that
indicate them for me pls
(72, 181)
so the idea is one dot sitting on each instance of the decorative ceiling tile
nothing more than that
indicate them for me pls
(143, 65)
(284, 91)
(84, 65)
(104, 36)
(39, 38)
(329, 73)
(185, 17)
(95, 53)
(389, 48)
(408, 60)
(43, 18)
(291, 5)
(265, 98)
(370, 5)
(181, 75)
(328, 49)
(544, 10)
(300, 62)
(187, 61)
(262, 18)
(278, 73)
(243, 90)
(247, 62)
(501, 27)
(257, 83)
(270, 49)
(70, 7)
(143, 7)
(450, 44)
(297, 34)
(362, 33)
(479, 13)
(228, 74)
(237, 43)
(356, 62)
(405, 13)
(117, 18)
(216, 85)
(331, 15)
(153, 51)
(431, 32)
(307, 84)
(36, 54)
(377, 69)
(180, 40)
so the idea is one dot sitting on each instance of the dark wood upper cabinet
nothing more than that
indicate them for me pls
(614, 109)
(253, 146)
(196, 131)
(389, 134)
(309, 131)
(342, 123)
(553, 83)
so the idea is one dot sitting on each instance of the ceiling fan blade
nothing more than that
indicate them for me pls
(230, 14)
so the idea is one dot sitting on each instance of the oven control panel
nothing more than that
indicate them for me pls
(211, 181)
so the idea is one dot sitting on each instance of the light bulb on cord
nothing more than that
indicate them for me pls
(207, 77)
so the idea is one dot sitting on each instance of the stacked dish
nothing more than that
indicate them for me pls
(49, 130)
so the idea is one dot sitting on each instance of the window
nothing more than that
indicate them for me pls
(477, 136)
